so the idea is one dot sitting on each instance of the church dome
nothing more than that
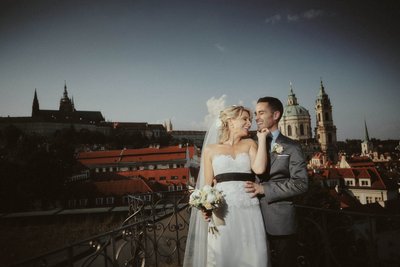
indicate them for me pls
(295, 111)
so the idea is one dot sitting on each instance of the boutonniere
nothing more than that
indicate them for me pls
(277, 148)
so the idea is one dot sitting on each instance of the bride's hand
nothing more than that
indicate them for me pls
(263, 133)
(206, 214)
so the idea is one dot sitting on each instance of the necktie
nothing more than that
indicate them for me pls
(269, 140)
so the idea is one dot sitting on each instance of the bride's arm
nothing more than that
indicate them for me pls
(258, 153)
(208, 170)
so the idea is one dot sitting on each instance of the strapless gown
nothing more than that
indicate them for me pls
(241, 241)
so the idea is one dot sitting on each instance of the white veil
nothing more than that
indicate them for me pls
(196, 243)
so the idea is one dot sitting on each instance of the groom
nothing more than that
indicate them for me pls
(285, 178)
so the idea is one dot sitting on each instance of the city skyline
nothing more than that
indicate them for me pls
(158, 60)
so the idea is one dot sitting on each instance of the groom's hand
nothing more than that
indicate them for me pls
(254, 188)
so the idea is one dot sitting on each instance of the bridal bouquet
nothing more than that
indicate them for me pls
(206, 199)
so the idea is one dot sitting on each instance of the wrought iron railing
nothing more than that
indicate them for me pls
(154, 234)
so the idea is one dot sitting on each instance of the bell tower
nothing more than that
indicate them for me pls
(66, 105)
(325, 130)
(366, 145)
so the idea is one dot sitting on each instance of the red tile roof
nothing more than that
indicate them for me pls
(356, 173)
(135, 155)
(122, 187)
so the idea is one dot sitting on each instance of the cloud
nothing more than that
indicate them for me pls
(221, 48)
(274, 19)
(214, 106)
(313, 13)
(306, 15)
(292, 18)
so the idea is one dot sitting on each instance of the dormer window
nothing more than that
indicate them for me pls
(349, 181)
(365, 182)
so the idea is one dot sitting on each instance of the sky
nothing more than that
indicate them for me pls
(153, 61)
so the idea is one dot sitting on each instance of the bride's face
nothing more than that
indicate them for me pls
(241, 125)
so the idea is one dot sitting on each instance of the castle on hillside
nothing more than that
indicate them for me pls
(66, 112)
(48, 122)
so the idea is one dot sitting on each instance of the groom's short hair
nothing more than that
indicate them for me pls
(274, 103)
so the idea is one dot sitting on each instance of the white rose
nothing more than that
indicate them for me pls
(211, 198)
(207, 189)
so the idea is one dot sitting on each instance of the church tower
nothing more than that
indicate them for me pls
(66, 105)
(325, 130)
(296, 120)
(35, 105)
(366, 145)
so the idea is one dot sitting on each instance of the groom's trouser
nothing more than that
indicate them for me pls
(284, 250)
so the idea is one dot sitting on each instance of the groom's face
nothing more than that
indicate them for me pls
(265, 117)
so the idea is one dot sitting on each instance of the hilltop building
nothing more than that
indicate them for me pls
(48, 122)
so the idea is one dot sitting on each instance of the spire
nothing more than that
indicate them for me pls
(65, 89)
(72, 103)
(170, 125)
(292, 100)
(35, 104)
(366, 132)
(66, 104)
(321, 89)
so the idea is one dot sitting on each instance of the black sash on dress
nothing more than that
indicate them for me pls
(235, 176)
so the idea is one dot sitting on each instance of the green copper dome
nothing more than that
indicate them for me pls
(295, 111)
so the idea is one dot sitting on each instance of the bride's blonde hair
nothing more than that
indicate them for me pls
(231, 112)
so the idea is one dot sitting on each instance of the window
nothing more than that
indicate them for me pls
(179, 187)
(326, 116)
(319, 117)
(83, 202)
(110, 200)
(174, 177)
(111, 169)
(151, 178)
(71, 203)
(329, 138)
(301, 129)
(162, 178)
(171, 188)
(97, 170)
(350, 182)
(289, 130)
(368, 199)
(364, 182)
(125, 200)
(99, 201)
(184, 177)
(104, 169)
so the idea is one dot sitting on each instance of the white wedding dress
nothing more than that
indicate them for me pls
(241, 241)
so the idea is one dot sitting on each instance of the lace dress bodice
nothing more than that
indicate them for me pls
(227, 163)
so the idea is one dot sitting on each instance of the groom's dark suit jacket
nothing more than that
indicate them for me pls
(287, 178)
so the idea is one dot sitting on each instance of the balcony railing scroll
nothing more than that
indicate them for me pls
(154, 234)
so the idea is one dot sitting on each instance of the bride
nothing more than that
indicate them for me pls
(229, 158)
